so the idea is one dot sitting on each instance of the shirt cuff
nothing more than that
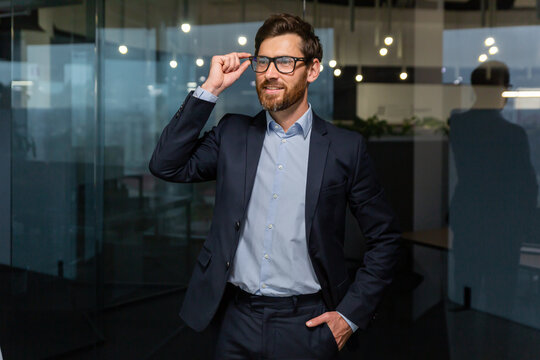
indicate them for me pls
(202, 94)
(351, 324)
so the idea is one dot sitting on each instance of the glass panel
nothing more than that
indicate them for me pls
(51, 80)
(96, 253)
(494, 174)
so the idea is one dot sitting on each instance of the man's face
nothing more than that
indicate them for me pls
(279, 91)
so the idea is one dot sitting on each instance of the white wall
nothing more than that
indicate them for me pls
(394, 102)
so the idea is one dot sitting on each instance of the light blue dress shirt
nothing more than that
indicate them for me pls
(272, 257)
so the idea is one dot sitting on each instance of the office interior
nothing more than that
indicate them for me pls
(96, 253)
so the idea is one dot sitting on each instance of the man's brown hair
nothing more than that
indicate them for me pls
(281, 24)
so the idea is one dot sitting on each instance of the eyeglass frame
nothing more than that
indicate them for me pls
(273, 60)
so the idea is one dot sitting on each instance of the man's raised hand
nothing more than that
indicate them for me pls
(224, 71)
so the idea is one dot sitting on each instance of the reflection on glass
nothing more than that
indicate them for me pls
(494, 206)
(53, 209)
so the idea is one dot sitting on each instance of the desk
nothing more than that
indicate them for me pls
(437, 238)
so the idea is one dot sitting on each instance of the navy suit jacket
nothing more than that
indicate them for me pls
(340, 172)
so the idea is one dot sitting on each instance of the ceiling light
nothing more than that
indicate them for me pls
(388, 40)
(403, 75)
(185, 27)
(123, 49)
(493, 50)
(489, 41)
(337, 72)
(383, 51)
(242, 40)
(199, 62)
(173, 64)
(22, 83)
(358, 78)
(521, 94)
(482, 58)
(332, 63)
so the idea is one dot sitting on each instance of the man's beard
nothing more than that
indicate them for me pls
(278, 102)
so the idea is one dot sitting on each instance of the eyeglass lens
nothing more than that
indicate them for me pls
(283, 63)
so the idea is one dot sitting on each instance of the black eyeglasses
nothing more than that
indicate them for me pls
(283, 64)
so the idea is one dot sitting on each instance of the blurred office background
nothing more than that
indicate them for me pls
(95, 253)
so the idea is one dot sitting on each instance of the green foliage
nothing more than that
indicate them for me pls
(430, 122)
(374, 126)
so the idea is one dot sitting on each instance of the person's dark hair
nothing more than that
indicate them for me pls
(491, 73)
(281, 24)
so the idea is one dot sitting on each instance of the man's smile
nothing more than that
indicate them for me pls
(272, 89)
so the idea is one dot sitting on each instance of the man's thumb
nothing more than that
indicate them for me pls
(315, 321)
(244, 65)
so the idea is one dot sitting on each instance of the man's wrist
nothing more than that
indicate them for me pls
(205, 95)
(352, 325)
(215, 91)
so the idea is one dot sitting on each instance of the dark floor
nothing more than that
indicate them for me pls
(45, 318)
(152, 330)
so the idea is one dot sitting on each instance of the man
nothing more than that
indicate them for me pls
(494, 202)
(274, 257)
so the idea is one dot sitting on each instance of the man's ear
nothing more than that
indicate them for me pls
(314, 70)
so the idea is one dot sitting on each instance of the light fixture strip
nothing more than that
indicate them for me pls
(521, 94)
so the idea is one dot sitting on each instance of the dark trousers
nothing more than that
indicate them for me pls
(262, 327)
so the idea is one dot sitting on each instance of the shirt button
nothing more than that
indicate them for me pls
(280, 167)
(284, 140)
(270, 226)
(276, 126)
(274, 196)
(264, 286)
(266, 256)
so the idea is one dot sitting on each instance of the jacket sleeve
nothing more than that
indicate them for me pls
(180, 155)
(380, 228)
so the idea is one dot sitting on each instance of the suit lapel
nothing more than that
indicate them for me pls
(254, 143)
(318, 150)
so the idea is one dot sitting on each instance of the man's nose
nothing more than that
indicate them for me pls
(271, 72)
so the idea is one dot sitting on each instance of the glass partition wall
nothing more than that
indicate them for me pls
(51, 205)
(96, 253)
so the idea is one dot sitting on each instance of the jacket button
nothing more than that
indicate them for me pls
(228, 264)
(237, 225)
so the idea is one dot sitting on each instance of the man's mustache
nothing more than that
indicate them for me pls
(271, 83)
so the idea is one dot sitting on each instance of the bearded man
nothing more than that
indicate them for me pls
(271, 275)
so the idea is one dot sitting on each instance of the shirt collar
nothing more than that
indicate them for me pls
(302, 125)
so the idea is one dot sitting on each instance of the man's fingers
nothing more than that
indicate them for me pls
(231, 63)
(317, 320)
(244, 65)
(243, 55)
(226, 64)
(234, 63)
(240, 68)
